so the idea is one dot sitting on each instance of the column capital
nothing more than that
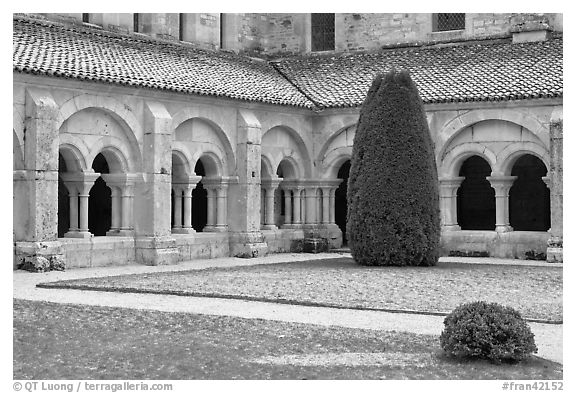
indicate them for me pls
(451, 181)
(121, 179)
(501, 184)
(271, 182)
(186, 181)
(546, 180)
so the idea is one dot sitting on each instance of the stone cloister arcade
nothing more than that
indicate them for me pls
(155, 182)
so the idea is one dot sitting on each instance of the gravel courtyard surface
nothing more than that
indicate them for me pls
(534, 291)
(61, 341)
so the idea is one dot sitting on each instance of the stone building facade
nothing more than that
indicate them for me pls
(136, 138)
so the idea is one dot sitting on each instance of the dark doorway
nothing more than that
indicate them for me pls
(341, 200)
(476, 198)
(63, 200)
(529, 198)
(199, 201)
(100, 200)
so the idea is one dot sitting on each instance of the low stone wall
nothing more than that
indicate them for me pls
(516, 244)
(98, 251)
(280, 240)
(202, 245)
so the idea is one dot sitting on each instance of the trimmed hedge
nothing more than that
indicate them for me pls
(393, 206)
(487, 331)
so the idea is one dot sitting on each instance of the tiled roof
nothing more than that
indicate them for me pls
(75, 52)
(459, 73)
(472, 72)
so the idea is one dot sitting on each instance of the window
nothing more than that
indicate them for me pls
(86, 18)
(136, 23)
(181, 27)
(322, 32)
(447, 22)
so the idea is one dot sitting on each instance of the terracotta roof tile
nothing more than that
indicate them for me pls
(459, 73)
(75, 52)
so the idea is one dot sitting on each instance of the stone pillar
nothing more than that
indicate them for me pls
(326, 191)
(154, 242)
(270, 186)
(81, 183)
(297, 216)
(211, 207)
(246, 239)
(555, 242)
(185, 185)
(116, 210)
(222, 208)
(37, 246)
(187, 225)
(287, 207)
(177, 213)
(448, 202)
(333, 206)
(73, 197)
(501, 186)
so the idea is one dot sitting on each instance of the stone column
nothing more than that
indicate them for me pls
(287, 207)
(311, 206)
(211, 207)
(37, 246)
(81, 183)
(333, 206)
(555, 250)
(270, 186)
(73, 197)
(326, 191)
(187, 225)
(154, 242)
(122, 186)
(116, 210)
(177, 213)
(297, 216)
(448, 202)
(185, 185)
(501, 186)
(222, 208)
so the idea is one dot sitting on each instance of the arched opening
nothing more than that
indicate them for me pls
(529, 198)
(199, 201)
(341, 201)
(476, 198)
(100, 200)
(63, 199)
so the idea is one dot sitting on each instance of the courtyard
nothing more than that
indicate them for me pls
(227, 328)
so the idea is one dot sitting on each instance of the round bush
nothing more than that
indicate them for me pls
(487, 331)
(393, 206)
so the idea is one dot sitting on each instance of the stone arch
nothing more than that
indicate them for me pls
(212, 164)
(450, 165)
(476, 209)
(77, 147)
(18, 152)
(267, 169)
(467, 119)
(508, 157)
(334, 161)
(180, 164)
(336, 150)
(290, 168)
(188, 113)
(73, 157)
(120, 112)
(279, 153)
(324, 150)
(115, 153)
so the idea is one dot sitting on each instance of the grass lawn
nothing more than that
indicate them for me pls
(56, 341)
(534, 291)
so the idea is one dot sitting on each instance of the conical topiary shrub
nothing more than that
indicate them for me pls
(393, 207)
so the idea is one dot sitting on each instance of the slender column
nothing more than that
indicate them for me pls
(84, 195)
(333, 206)
(270, 186)
(326, 205)
(311, 205)
(501, 186)
(297, 217)
(177, 208)
(221, 210)
(448, 203)
(210, 220)
(126, 208)
(188, 207)
(287, 207)
(116, 209)
(73, 195)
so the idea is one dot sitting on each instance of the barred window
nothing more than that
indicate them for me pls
(86, 18)
(136, 22)
(447, 22)
(322, 32)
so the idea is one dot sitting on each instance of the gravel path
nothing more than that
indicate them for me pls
(548, 337)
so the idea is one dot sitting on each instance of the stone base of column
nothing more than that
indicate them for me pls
(183, 231)
(504, 228)
(209, 228)
(220, 228)
(450, 228)
(157, 251)
(248, 245)
(78, 235)
(555, 250)
(39, 256)
(269, 227)
(120, 232)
